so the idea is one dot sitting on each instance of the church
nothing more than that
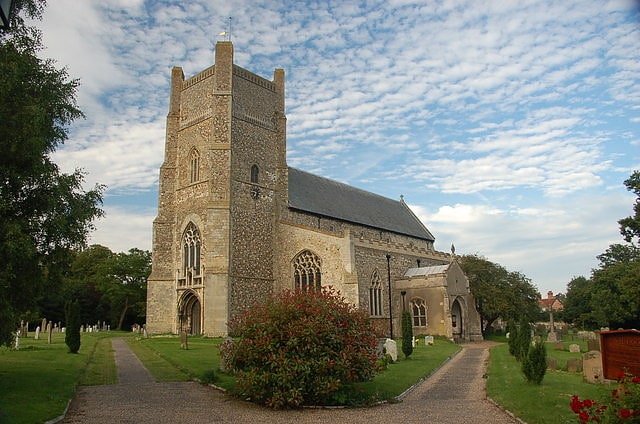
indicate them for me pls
(236, 224)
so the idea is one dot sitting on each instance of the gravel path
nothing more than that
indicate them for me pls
(455, 394)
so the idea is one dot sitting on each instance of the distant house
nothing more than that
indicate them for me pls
(551, 303)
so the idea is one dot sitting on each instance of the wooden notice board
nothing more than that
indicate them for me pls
(620, 352)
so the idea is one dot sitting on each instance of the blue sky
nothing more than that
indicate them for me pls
(508, 126)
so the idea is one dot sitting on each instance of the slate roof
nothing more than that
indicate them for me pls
(325, 197)
(426, 270)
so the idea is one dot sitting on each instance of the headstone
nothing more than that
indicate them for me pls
(184, 342)
(552, 363)
(574, 348)
(593, 345)
(37, 336)
(592, 367)
(391, 348)
(558, 346)
(620, 352)
(49, 330)
(574, 365)
(59, 325)
(552, 337)
(144, 331)
(413, 341)
(43, 326)
(428, 340)
(18, 340)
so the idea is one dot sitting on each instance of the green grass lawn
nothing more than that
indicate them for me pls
(37, 381)
(203, 355)
(546, 403)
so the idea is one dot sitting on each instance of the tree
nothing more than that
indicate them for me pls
(498, 292)
(534, 364)
(124, 286)
(407, 334)
(44, 213)
(630, 226)
(577, 304)
(523, 339)
(72, 332)
(616, 280)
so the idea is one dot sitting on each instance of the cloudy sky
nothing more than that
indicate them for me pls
(508, 126)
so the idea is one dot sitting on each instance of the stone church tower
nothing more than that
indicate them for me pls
(236, 224)
(214, 233)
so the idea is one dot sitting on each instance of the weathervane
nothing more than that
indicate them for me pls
(227, 33)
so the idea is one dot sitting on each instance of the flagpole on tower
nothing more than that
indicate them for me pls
(227, 33)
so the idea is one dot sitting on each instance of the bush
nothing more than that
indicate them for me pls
(513, 337)
(523, 339)
(208, 377)
(621, 406)
(407, 334)
(72, 332)
(301, 348)
(534, 364)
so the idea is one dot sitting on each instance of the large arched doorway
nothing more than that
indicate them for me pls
(190, 313)
(456, 319)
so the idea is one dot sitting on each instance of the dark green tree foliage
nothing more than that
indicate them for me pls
(301, 348)
(523, 339)
(513, 337)
(611, 297)
(407, 334)
(44, 213)
(534, 364)
(72, 332)
(499, 293)
(124, 288)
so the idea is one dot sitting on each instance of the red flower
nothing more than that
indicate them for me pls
(576, 405)
(584, 416)
(624, 413)
(636, 380)
(588, 403)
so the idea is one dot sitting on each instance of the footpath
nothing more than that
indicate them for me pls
(455, 394)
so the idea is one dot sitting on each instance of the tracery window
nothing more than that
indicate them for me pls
(419, 311)
(195, 165)
(191, 245)
(255, 174)
(375, 295)
(307, 273)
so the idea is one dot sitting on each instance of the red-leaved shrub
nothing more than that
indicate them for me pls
(300, 348)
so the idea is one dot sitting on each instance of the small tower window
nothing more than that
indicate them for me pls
(195, 165)
(255, 174)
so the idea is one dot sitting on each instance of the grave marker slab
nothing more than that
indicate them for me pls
(592, 367)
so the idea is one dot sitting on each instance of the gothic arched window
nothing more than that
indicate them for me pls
(375, 295)
(255, 174)
(191, 245)
(419, 312)
(307, 273)
(195, 165)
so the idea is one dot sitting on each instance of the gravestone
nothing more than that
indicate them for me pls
(574, 365)
(391, 348)
(592, 367)
(593, 345)
(37, 335)
(552, 337)
(43, 326)
(184, 342)
(574, 348)
(49, 329)
(620, 352)
(18, 340)
(552, 364)
(428, 340)
(558, 346)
